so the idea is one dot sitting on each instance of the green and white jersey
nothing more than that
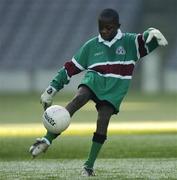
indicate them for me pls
(109, 65)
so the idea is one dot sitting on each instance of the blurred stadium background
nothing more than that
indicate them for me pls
(38, 36)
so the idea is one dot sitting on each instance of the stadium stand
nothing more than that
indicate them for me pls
(40, 34)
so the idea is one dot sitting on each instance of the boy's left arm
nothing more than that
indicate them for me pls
(155, 33)
(146, 42)
(154, 38)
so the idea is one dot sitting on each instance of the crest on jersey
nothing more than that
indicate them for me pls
(120, 50)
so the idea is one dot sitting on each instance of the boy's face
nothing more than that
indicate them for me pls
(107, 28)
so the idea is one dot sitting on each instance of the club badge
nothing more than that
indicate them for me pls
(120, 50)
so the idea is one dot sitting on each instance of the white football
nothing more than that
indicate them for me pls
(56, 119)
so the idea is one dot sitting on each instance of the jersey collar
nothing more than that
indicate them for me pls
(110, 43)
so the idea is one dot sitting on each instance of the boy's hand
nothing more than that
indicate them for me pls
(47, 97)
(158, 35)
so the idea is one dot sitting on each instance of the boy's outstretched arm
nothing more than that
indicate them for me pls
(155, 33)
(63, 77)
(153, 38)
(148, 41)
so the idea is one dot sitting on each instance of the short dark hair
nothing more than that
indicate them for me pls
(109, 13)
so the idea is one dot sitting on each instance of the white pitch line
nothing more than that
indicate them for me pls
(37, 129)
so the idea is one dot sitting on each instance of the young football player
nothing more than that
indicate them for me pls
(109, 60)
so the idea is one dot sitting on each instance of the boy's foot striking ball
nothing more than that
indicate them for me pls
(56, 119)
(40, 146)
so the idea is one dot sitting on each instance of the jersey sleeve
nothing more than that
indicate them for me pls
(138, 46)
(153, 44)
(80, 59)
(60, 79)
(143, 48)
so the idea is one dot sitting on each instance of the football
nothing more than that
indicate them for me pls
(56, 119)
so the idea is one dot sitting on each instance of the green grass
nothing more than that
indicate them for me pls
(25, 108)
(124, 156)
(113, 169)
(73, 147)
(145, 156)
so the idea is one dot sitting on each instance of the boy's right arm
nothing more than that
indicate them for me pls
(63, 77)
(75, 66)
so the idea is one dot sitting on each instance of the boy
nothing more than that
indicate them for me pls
(109, 60)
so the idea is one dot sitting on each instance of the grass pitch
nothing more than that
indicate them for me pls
(135, 153)
(25, 108)
(126, 156)
(113, 169)
(77, 147)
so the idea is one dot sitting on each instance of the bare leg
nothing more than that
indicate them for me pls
(80, 99)
(104, 114)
